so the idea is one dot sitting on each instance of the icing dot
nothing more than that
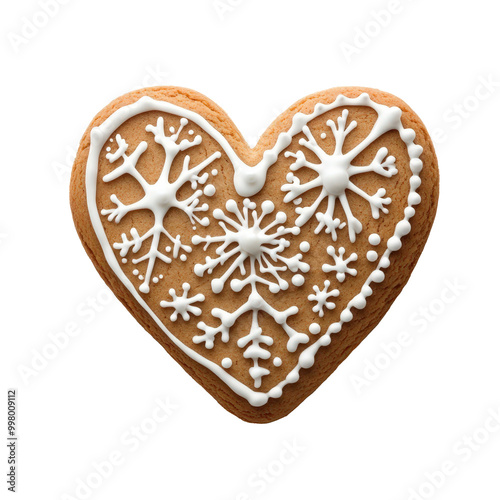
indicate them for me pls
(135, 272)
(124, 261)
(298, 280)
(403, 228)
(172, 130)
(161, 276)
(415, 181)
(409, 212)
(183, 258)
(306, 359)
(141, 277)
(416, 165)
(297, 201)
(305, 246)
(394, 244)
(415, 150)
(227, 363)
(414, 199)
(111, 139)
(378, 276)
(325, 340)
(277, 361)
(323, 135)
(209, 190)
(191, 132)
(408, 135)
(214, 171)
(372, 256)
(168, 249)
(335, 328)
(359, 302)
(155, 280)
(275, 392)
(346, 316)
(374, 239)
(384, 262)
(314, 328)
(108, 149)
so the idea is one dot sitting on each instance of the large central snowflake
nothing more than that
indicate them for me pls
(160, 196)
(335, 172)
(256, 251)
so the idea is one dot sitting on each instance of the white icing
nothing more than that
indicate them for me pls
(371, 255)
(226, 363)
(183, 305)
(277, 362)
(321, 298)
(248, 181)
(374, 239)
(160, 196)
(260, 246)
(305, 246)
(314, 328)
(298, 280)
(341, 265)
(209, 190)
(256, 246)
(335, 172)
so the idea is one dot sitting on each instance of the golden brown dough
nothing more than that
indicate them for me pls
(172, 275)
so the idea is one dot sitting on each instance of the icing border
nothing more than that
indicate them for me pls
(249, 180)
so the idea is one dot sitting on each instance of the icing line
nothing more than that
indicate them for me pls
(248, 181)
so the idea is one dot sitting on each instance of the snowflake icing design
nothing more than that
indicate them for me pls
(321, 298)
(182, 304)
(256, 248)
(341, 265)
(160, 196)
(335, 173)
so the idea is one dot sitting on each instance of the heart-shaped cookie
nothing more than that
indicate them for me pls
(259, 270)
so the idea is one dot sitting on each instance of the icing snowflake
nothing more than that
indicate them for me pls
(256, 249)
(341, 265)
(321, 298)
(259, 246)
(183, 304)
(160, 196)
(335, 174)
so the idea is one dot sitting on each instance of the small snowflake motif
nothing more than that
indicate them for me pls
(182, 305)
(321, 298)
(341, 265)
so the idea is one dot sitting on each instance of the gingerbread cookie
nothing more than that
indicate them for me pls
(259, 270)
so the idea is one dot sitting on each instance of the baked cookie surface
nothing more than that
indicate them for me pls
(259, 270)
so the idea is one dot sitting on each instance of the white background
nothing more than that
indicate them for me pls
(255, 58)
